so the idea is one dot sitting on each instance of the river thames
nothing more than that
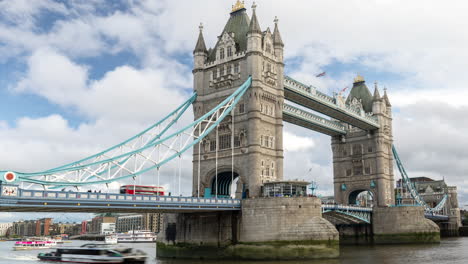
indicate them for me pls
(450, 250)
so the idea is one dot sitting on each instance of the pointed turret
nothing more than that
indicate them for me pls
(254, 26)
(376, 93)
(200, 47)
(277, 41)
(385, 98)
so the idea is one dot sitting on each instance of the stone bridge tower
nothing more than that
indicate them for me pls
(363, 160)
(242, 50)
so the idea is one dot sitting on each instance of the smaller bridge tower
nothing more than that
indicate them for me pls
(363, 160)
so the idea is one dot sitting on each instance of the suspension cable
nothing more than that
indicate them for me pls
(199, 161)
(180, 161)
(217, 147)
(232, 150)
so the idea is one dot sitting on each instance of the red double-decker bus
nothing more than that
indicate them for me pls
(142, 189)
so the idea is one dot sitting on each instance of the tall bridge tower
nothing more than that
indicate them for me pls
(242, 50)
(363, 160)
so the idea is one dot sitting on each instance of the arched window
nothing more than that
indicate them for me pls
(221, 53)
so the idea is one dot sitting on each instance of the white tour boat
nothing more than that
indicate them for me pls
(31, 245)
(94, 253)
(111, 239)
(137, 236)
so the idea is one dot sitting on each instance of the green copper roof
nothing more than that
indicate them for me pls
(238, 24)
(361, 92)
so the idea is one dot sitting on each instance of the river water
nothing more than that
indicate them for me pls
(451, 250)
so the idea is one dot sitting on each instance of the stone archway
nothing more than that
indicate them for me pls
(224, 180)
(362, 197)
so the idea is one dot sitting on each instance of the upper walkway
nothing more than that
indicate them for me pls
(310, 97)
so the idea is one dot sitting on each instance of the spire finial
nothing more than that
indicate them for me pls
(254, 6)
(375, 84)
(201, 27)
(276, 20)
(238, 6)
(358, 78)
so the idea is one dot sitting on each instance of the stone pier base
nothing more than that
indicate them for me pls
(265, 229)
(400, 225)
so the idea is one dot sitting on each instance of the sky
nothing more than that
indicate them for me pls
(81, 75)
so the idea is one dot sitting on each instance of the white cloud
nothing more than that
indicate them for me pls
(423, 43)
(295, 143)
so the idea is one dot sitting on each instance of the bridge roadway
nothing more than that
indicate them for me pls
(59, 201)
(310, 97)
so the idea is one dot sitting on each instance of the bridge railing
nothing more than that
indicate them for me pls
(76, 196)
(312, 92)
(350, 208)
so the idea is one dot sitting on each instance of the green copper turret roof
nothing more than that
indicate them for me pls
(361, 92)
(238, 24)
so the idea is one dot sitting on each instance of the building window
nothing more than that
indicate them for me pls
(261, 140)
(229, 69)
(370, 149)
(237, 141)
(271, 142)
(267, 173)
(236, 68)
(348, 172)
(268, 48)
(367, 170)
(241, 108)
(221, 53)
(268, 67)
(215, 74)
(358, 170)
(212, 145)
(357, 149)
(229, 51)
(223, 71)
(224, 141)
(261, 108)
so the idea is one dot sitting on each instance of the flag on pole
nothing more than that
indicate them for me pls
(321, 74)
(344, 89)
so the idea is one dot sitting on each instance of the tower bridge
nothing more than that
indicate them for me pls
(241, 99)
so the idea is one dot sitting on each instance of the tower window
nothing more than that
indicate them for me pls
(225, 141)
(236, 68)
(367, 170)
(268, 48)
(221, 53)
(212, 145)
(229, 51)
(241, 108)
(237, 141)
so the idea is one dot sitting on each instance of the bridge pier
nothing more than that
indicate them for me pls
(404, 224)
(266, 228)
